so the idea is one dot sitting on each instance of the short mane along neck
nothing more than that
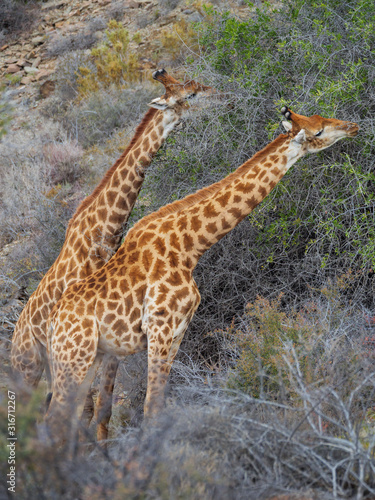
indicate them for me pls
(255, 179)
(103, 215)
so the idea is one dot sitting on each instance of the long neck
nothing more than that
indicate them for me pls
(211, 218)
(104, 213)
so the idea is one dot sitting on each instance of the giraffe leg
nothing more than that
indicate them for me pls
(72, 378)
(27, 358)
(160, 359)
(104, 401)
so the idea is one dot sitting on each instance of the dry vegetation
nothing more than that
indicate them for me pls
(273, 391)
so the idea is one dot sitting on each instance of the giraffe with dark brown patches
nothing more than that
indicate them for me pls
(168, 295)
(95, 231)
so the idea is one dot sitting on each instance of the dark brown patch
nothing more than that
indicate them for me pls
(140, 293)
(78, 339)
(154, 135)
(135, 275)
(284, 148)
(245, 187)
(236, 212)
(223, 199)
(211, 228)
(252, 203)
(128, 303)
(135, 314)
(158, 270)
(203, 241)
(182, 223)
(175, 241)
(87, 323)
(262, 191)
(187, 262)
(188, 242)
(237, 199)
(111, 197)
(124, 287)
(174, 279)
(209, 211)
(262, 174)
(132, 244)
(131, 198)
(145, 238)
(102, 213)
(159, 245)
(274, 158)
(166, 226)
(196, 223)
(173, 259)
(147, 259)
(133, 257)
(225, 224)
(116, 218)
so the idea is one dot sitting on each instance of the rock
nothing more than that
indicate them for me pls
(26, 80)
(37, 40)
(13, 68)
(36, 62)
(43, 73)
(30, 70)
(21, 63)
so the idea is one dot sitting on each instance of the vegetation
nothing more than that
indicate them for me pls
(273, 389)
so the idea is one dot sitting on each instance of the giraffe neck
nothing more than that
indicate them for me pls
(204, 223)
(102, 217)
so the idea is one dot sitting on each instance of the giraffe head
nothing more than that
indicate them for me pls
(315, 133)
(178, 96)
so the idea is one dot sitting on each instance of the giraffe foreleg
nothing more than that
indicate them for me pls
(163, 343)
(27, 358)
(104, 401)
(73, 371)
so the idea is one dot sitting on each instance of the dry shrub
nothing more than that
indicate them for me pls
(64, 161)
(16, 16)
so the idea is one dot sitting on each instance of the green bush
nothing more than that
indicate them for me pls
(318, 223)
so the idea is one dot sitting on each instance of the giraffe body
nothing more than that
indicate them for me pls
(145, 296)
(95, 231)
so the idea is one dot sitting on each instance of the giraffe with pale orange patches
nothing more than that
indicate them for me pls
(95, 232)
(145, 296)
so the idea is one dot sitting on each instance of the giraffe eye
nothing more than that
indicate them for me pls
(319, 133)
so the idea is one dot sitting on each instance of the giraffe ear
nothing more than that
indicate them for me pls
(287, 125)
(300, 137)
(158, 103)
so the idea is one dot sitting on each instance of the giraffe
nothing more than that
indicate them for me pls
(145, 296)
(95, 231)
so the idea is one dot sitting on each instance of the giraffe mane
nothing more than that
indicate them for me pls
(99, 188)
(208, 191)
